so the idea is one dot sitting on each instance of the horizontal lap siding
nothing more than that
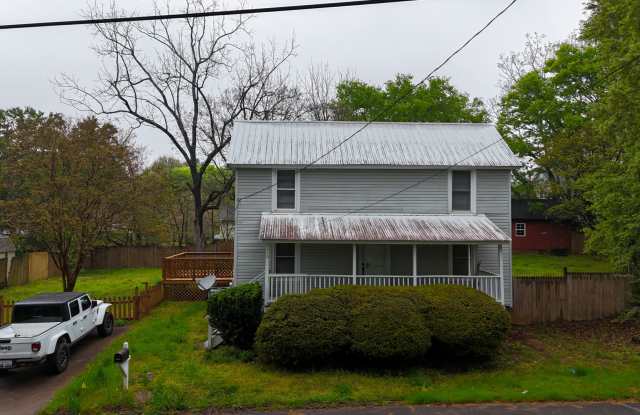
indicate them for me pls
(346, 190)
(249, 250)
(494, 200)
(339, 191)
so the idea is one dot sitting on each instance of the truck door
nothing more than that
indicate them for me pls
(86, 313)
(75, 324)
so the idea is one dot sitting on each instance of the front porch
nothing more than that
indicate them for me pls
(297, 268)
(307, 251)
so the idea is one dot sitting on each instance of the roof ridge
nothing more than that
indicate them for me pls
(484, 124)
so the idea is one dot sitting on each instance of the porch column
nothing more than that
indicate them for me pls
(267, 282)
(468, 259)
(414, 251)
(501, 267)
(354, 263)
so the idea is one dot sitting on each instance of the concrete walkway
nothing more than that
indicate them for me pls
(26, 391)
(579, 408)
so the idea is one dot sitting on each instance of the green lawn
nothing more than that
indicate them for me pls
(538, 264)
(98, 283)
(171, 372)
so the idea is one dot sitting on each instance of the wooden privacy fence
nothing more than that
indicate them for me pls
(180, 271)
(123, 308)
(142, 256)
(576, 296)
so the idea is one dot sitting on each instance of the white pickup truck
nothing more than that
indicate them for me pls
(44, 327)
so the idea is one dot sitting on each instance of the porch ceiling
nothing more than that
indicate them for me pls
(395, 228)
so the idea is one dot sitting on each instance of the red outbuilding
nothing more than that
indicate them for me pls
(533, 230)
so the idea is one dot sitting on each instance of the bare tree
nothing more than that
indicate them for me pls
(190, 79)
(319, 91)
(512, 66)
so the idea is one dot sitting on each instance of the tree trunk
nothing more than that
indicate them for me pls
(198, 222)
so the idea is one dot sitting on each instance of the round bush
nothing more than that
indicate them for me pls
(389, 329)
(302, 330)
(463, 321)
(236, 313)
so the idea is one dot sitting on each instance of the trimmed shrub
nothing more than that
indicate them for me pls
(463, 321)
(389, 329)
(236, 312)
(302, 330)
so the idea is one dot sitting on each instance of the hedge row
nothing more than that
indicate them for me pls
(380, 324)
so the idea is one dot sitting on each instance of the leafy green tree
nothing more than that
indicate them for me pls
(614, 190)
(436, 101)
(546, 119)
(65, 185)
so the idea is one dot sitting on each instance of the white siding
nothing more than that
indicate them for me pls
(345, 190)
(494, 200)
(340, 191)
(249, 250)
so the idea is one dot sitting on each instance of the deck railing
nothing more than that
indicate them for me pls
(188, 266)
(277, 285)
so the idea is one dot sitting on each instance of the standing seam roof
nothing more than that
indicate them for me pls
(272, 143)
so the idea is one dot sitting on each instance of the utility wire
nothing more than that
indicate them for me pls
(446, 169)
(260, 10)
(397, 100)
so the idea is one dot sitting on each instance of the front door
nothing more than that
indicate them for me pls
(372, 260)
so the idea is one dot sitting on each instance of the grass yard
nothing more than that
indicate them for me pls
(171, 372)
(98, 283)
(538, 264)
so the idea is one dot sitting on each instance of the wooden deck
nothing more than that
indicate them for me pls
(180, 271)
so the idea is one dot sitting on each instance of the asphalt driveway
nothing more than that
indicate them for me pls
(578, 408)
(25, 391)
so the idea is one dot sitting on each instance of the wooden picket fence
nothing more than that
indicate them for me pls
(123, 308)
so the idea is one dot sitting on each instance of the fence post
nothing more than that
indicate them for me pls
(136, 305)
(569, 281)
(1, 310)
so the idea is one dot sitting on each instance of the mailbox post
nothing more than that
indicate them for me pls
(121, 358)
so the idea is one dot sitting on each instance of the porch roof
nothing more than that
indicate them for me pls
(379, 228)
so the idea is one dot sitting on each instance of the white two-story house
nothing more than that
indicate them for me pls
(396, 204)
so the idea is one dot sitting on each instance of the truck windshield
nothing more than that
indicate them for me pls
(38, 313)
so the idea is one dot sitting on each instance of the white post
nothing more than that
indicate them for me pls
(501, 266)
(469, 260)
(267, 282)
(354, 264)
(415, 264)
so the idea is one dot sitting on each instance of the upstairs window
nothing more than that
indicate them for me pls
(285, 258)
(461, 190)
(286, 189)
(521, 229)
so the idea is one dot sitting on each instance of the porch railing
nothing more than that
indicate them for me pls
(277, 285)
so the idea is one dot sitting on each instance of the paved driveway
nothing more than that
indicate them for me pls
(595, 408)
(25, 391)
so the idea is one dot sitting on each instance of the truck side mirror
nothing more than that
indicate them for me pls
(94, 303)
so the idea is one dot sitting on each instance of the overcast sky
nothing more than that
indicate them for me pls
(373, 43)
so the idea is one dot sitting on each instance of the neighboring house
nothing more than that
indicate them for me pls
(7, 253)
(383, 208)
(533, 230)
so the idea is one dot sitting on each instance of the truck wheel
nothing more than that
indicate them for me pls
(106, 328)
(59, 360)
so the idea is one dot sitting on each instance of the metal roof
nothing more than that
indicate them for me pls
(395, 228)
(51, 298)
(386, 144)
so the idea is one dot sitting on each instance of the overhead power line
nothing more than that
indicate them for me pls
(619, 68)
(395, 102)
(260, 10)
